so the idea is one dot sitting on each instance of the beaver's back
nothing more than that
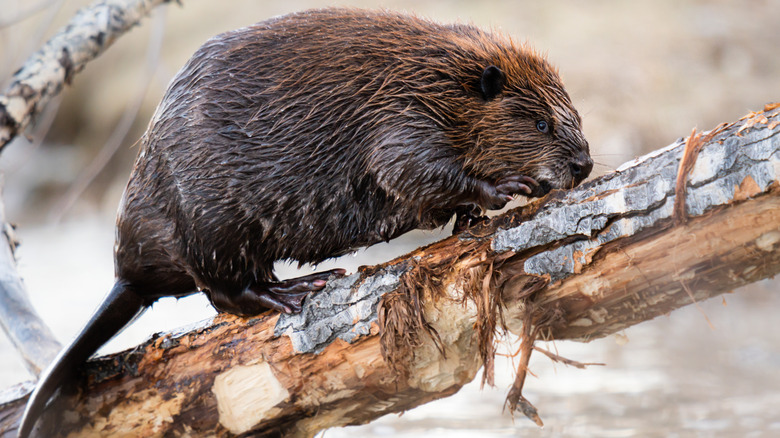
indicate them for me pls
(309, 135)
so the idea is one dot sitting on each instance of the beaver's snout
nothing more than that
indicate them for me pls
(580, 167)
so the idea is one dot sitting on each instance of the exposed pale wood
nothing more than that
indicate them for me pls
(714, 254)
(578, 265)
(637, 262)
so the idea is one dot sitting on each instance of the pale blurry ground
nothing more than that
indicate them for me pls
(641, 74)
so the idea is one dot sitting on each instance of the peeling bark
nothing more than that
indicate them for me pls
(576, 265)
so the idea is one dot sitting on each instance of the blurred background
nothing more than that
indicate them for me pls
(642, 74)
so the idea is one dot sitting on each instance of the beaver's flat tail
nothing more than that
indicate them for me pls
(118, 309)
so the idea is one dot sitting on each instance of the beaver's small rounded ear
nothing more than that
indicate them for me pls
(492, 82)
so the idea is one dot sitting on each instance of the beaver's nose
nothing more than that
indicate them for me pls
(580, 167)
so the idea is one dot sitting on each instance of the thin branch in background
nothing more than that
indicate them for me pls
(46, 71)
(33, 41)
(42, 127)
(34, 341)
(41, 33)
(123, 126)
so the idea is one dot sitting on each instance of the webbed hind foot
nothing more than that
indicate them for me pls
(285, 296)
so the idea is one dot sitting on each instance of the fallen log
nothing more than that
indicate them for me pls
(687, 222)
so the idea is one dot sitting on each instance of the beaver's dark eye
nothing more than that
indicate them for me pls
(543, 127)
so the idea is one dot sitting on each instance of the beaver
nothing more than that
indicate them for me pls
(307, 136)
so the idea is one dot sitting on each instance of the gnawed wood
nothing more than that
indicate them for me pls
(579, 265)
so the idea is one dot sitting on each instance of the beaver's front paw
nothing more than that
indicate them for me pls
(494, 196)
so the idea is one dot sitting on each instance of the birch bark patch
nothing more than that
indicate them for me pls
(246, 395)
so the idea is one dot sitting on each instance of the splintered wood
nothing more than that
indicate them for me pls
(580, 264)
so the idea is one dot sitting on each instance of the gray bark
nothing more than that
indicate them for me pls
(577, 265)
(32, 338)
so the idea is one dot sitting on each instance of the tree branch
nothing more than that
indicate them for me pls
(41, 78)
(577, 265)
(90, 32)
(26, 330)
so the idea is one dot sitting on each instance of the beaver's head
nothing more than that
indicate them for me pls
(524, 123)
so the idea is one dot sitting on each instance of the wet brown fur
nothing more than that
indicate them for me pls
(310, 135)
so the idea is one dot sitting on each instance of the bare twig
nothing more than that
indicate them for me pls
(572, 363)
(32, 338)
(91, 31)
